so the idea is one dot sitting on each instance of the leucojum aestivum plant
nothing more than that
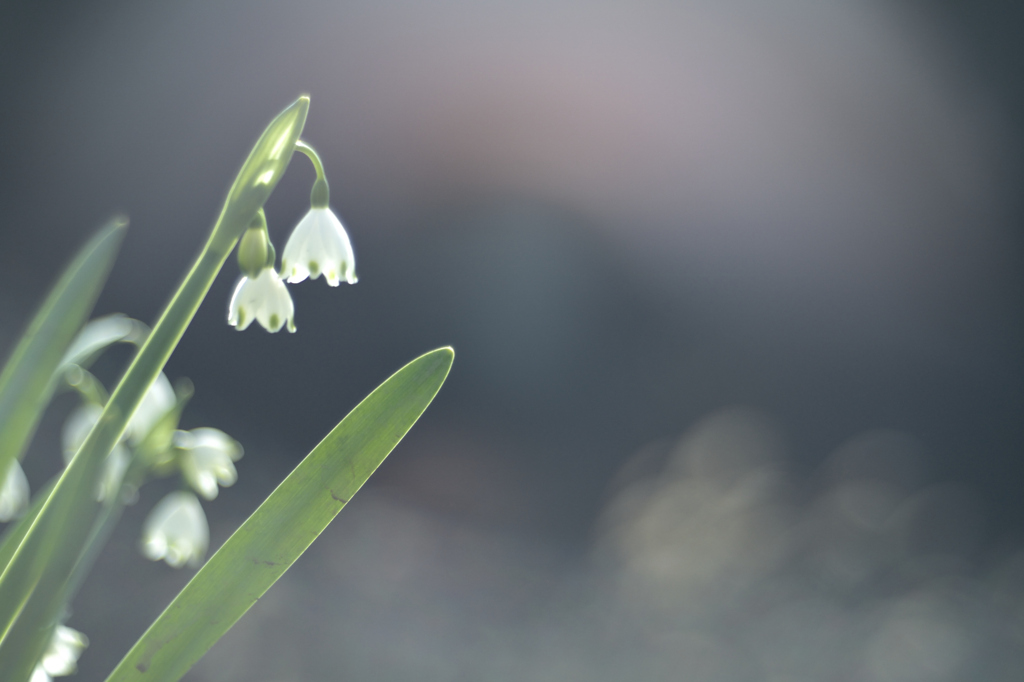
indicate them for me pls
(115, 442)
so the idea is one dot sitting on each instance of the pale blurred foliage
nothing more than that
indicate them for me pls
(712, 563)
(864, 574)
(715, 517)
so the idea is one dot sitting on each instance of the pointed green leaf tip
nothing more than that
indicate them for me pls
(277, 533)
(267, 161)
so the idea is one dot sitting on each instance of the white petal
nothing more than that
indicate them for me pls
(207, 459)
(265, 299)
(77, 427)
(207, 437)
(114, 469)
(14, 492)
(176, 531)
(294, 260)
(61, 656)
(340, 261)
(157, 402)
(239, 309)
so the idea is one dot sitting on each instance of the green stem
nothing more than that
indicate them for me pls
(103, 527)
(301, 146)
(87, 385)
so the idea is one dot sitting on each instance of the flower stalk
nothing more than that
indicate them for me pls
(319, 245)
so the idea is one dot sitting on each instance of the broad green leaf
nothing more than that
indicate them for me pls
(25, 385)
(281, 529)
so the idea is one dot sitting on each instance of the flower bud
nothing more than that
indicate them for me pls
(253, 247)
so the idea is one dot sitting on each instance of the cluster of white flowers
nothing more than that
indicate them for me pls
(317, 246)
(176, 530)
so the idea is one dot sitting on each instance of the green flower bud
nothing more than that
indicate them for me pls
(254, 247)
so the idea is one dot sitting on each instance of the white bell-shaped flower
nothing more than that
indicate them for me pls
(158, 401)
(114, 469)
(61, 655)
(264, 298)
(176, 531)
(319, 244)
(207, 459)
(14, 493)
(76, 428)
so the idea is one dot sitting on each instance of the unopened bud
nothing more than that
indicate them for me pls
(252, 249)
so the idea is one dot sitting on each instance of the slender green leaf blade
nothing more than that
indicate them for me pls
(25, 386)
(16, 531)
(287, 522)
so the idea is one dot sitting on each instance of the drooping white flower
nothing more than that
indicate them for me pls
(264, 298)
(76, 428)
(14, 492)
(61, 655)
(319, 244)
(176, 531)
(158, 401)
(207, 458)
(114, 469)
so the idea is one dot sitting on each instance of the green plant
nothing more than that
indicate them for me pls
(117, 442)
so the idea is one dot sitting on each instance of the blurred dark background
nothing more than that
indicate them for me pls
(624, 217)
